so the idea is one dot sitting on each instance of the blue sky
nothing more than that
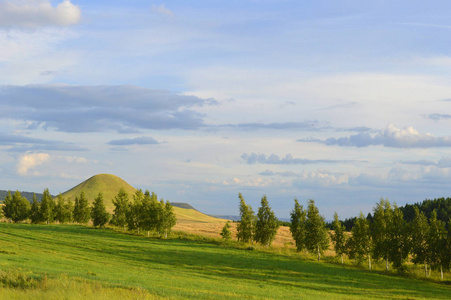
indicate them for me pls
(343, 102)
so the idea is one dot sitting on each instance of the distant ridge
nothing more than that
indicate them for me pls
(28, 195)
(182, 205)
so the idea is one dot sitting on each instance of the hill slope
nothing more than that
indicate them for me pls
(109, 185)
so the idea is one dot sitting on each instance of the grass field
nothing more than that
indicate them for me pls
(71, 261)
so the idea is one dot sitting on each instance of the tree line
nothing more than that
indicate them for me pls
(145, 212)
(442, 206)
(386, 236)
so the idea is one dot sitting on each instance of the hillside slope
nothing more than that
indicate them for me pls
(109, 185)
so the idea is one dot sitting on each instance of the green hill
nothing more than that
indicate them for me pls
(109, 185)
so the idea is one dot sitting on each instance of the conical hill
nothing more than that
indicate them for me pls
(109, 185)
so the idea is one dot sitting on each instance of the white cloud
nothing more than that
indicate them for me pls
(320, 178)
(391, 136)
(161, 9)
(38, 13)
(30, 161)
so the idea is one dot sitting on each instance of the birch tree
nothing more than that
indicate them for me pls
(316, 239)
(297, 225)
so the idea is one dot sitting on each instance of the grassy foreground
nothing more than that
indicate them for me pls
(73, 262)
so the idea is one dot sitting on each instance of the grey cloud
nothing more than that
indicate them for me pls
(100, 108)
(283, 174)
(437, 117)
(305, 126)
(391, 136)
(444, 162)
(136, 141)
(31, 14)
(267, 173)
(274, 159)
(21, 143)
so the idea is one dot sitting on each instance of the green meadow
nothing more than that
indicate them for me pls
(73, 262)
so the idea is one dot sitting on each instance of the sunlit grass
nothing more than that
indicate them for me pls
(108, 262)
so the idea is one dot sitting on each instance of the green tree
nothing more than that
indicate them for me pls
(339, 237)
(316, 238)
(63, 210)
(399, 242)
(226, 233)
(82, 212)
(121, 206)
(19, 207)
(134, 212)
(359, 244)
(266, 225)
(168, 219)
(35, 211)
(419, 228)
(7, 206)
(438, 243)
(245, 228)
(47, 207)
(297, 225)
(98, 212)
(151, 213)
(382, 217)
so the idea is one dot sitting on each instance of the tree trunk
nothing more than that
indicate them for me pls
(342, 259)
(441, 272)
(138, 230)
(386, 264)
(369, 261)
(148, 233)
(319, 254)
(165, 233)
(425, 269)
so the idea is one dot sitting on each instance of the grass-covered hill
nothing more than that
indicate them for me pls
(109, 185)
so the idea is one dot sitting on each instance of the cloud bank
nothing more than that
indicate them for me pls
(144, 140)
(274, 159)
(391, 136)
(100, 108)
(38, 13)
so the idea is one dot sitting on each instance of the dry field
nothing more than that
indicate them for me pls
(200, 224)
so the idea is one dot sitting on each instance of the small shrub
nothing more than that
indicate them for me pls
(18, 279)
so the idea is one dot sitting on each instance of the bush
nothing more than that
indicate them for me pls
(19, 279)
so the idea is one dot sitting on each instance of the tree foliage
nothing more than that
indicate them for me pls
(297, 225)
(35, 211)
(82, 212)
(266, 225)
(359, 244)
(226, 233)
(16, 207)
(245, 228)
(316, 239)
(338, 237)
(98, 212)
(121, 206)
(47, 207)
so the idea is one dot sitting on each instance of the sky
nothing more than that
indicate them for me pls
(343, 102)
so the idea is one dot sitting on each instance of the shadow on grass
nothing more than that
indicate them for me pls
(211, 259)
